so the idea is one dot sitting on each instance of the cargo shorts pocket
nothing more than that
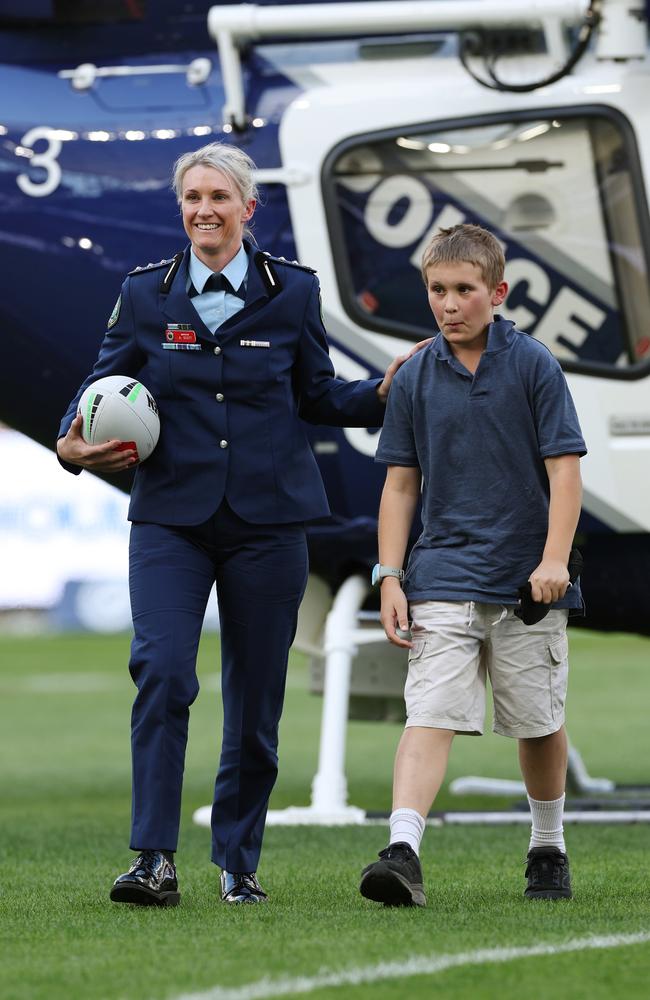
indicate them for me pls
(417, 649)
(415, 685)
(559, 655)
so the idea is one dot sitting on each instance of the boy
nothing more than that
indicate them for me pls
(482, 421)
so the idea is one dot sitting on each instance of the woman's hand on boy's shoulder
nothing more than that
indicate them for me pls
(384, 386)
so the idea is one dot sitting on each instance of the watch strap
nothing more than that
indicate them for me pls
(381, 572)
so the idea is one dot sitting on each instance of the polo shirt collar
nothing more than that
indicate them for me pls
(499, 336)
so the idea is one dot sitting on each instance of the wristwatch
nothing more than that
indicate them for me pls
(379, 572)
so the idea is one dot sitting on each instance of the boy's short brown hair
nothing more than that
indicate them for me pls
(469, 244)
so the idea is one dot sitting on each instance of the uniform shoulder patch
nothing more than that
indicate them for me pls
(289, 263)
(151, 267)
(115, 315)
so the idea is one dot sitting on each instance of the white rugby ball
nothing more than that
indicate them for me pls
(120, 407)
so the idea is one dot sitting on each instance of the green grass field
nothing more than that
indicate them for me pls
(65, 800)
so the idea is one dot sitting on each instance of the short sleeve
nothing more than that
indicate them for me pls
(397, 439)
(558, 428)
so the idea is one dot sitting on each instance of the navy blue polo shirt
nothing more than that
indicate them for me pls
(480, 441)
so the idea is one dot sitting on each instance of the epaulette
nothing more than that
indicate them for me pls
(150, 266)
(289, 263)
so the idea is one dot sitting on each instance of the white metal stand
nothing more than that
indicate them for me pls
(329, 802)
(342, 637)
(577, 777)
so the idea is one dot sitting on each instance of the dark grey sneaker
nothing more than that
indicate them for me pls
(396, 879)
(547, 871)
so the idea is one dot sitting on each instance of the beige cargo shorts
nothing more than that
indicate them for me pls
(457, 645)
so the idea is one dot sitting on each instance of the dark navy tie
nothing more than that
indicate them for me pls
(219, 283)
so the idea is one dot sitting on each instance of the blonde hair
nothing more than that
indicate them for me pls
(230, 160)
(470, 244)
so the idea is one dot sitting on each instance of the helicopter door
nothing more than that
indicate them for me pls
(560, 190)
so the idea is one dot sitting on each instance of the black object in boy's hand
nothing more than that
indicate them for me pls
(531, 611)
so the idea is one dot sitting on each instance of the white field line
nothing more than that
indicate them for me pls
(418, 965)
(523, 818)
(63, 683)
(77, 682)
(305, 816)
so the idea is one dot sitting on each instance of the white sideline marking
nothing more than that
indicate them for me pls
(416, 966)
(76, 682)
(67, 683)
(305, 816)
(83, 683)
(579, 816)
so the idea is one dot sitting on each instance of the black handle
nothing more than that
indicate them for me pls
(531, 611)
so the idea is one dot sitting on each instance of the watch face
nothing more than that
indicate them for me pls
(375, 574)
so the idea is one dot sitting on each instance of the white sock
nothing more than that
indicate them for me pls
(406, 827)
(547, 829)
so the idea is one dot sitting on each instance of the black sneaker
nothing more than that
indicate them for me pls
(150, 881)
(395, 880)
(547, 871)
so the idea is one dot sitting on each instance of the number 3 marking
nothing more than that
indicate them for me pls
(47, 160)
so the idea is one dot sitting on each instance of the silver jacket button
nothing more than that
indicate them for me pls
(223, 444)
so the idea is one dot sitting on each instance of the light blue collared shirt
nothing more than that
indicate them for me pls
(215, 308)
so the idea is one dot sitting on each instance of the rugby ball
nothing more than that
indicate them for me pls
(120, 407)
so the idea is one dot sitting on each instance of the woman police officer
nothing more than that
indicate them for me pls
(231, 344)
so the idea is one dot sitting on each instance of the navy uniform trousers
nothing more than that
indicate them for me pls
(260, 573)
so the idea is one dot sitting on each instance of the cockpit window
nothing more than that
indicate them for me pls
(563, 193)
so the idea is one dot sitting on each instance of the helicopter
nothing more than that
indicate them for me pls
(372, 125)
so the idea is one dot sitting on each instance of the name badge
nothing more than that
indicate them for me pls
(180, 333)
(180, 337)
(254, 343)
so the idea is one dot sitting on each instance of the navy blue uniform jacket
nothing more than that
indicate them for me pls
(267, 472)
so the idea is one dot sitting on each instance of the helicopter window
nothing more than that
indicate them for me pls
(561, 191)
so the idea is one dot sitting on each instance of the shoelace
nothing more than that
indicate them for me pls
(145, 864)
(394, 851)
(250, 881)
(549, 864)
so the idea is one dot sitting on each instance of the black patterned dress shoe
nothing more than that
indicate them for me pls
(241, 887)
(150, 881)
